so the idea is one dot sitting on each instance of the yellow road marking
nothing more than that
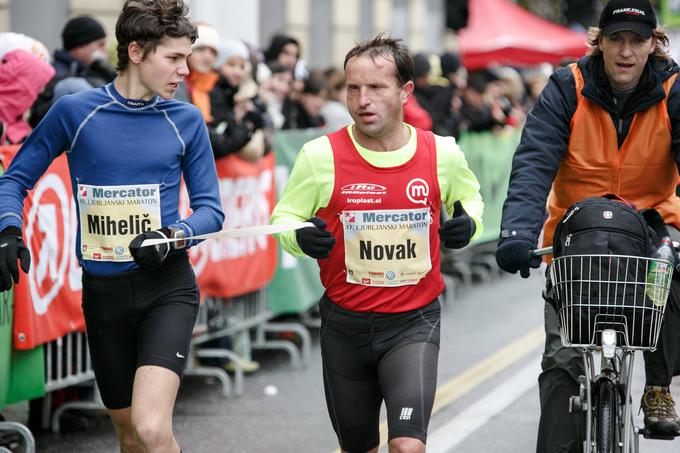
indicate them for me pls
(479, 373)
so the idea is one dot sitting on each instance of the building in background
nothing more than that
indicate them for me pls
(326, 29)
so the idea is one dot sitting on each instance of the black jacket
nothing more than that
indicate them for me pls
(545, 136)
(98, 73)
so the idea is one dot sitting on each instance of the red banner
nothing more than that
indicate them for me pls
(47, 300)
(235, 266)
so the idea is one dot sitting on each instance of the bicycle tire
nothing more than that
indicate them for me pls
(606, 417)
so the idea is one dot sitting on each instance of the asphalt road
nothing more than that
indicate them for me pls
(487, 397)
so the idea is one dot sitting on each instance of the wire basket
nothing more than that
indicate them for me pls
(597, 292)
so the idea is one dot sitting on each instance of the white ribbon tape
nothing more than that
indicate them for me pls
(236, 233)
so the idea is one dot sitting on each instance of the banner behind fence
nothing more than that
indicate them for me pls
(235, 266)
(489, 156)
(21, 372)
(296, 285)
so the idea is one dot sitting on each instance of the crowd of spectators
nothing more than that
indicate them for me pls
(246, 93)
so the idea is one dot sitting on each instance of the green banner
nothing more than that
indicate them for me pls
(670, 13)
(296, 285)
(489, 156)
(27, 375)
(22, 375)
(6, 307)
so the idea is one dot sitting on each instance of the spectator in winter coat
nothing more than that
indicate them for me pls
(22, 77)
(231, 128)
(275, 90)
(306, 112)
(284, 50)
(334, 110)
(202, 77)
(84, 52)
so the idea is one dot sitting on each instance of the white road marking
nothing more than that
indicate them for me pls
(445, 438)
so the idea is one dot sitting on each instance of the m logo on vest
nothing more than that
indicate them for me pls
(417, 191)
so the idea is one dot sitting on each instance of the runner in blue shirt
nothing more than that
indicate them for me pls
(128, 145)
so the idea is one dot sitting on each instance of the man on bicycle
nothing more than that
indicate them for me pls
(609, 123)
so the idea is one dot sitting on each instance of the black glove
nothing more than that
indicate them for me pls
(12, 248)
(150, 257)
(253, 120)
(512, 255)
(315, 241)
(457, 231)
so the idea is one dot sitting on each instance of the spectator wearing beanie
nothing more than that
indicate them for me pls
(229, 130)
(450, 63)
(231, 64)
(456, 74)
(84, 52)
(202, 77)
(436, 99)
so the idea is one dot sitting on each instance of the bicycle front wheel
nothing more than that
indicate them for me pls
(606, 417)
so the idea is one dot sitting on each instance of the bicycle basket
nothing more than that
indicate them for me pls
(597, 292)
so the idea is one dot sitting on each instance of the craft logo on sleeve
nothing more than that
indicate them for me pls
(111, 216)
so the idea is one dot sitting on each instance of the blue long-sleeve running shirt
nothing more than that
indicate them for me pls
(126, 158)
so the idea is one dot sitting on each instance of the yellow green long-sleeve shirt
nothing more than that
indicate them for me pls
(310, 184)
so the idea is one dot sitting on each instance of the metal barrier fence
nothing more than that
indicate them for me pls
(22, 431)
(241, 316)
(68, 363)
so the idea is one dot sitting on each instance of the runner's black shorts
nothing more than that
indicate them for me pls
(138, 318)
(370, 357)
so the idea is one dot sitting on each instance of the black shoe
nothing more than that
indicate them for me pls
(659, 409)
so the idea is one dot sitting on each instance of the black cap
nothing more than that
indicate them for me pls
(450, 62)
(421, 65)
(631, 15)
(81, 30)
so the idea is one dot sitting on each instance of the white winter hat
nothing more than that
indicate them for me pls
(231, 48)
(207, 37)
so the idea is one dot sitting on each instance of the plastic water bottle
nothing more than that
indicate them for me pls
(660, 273)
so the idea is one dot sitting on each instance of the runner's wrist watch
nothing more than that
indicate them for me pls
(177, 233)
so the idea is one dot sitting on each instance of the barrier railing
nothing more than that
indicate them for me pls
(241, 315)
(22, 431)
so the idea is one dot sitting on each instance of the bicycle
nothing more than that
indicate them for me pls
(604, 303)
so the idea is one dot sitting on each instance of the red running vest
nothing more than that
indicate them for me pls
(360, 186)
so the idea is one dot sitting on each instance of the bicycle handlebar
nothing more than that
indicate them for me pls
(541, 251)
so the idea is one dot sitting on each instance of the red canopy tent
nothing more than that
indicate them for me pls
(500, 32)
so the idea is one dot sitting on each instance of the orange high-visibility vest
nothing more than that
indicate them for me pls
(643, 170)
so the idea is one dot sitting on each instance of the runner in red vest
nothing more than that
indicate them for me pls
(374, 191)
